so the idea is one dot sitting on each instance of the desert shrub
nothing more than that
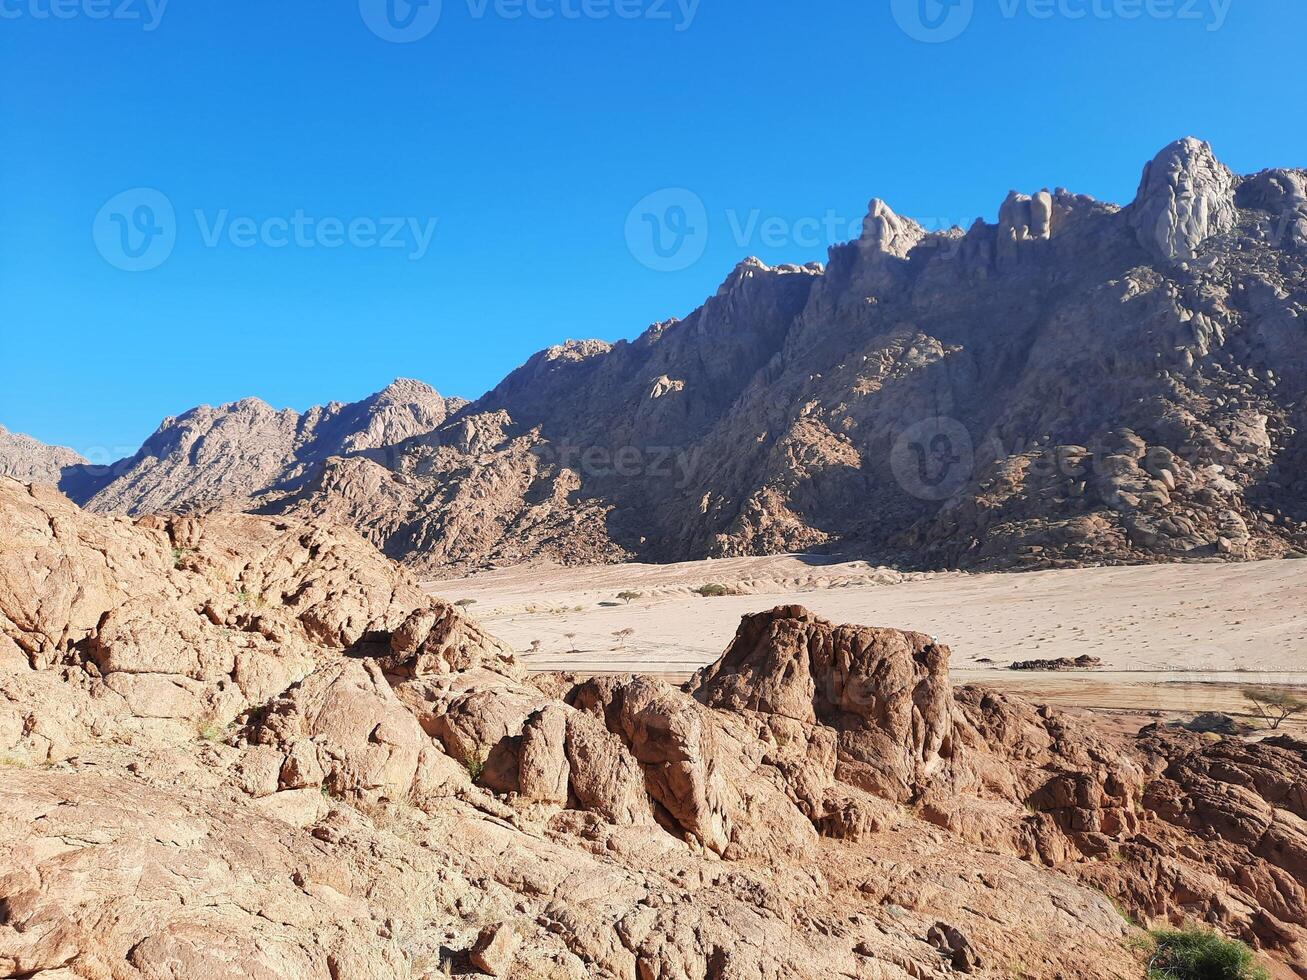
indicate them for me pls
(1197, 954)
(714, 589)
(1275, 706)
(475, 765)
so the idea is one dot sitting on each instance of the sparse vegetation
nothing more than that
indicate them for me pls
(714, 589)
(208, 729)
(1198, 954)
(621, 636)
(1121, 910)
(628, 596)
(179, 556)
(535, 646)
(571, 639)
(464, 603)
(1274, 705)
(475, 765)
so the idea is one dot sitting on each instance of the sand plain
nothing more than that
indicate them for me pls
(1173, 639)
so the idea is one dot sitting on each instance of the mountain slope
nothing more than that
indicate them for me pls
(1077, 383)
(24, 458)
(228, 454)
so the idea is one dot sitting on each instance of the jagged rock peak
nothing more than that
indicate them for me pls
(1185, 197)
(1027, 217)
(885, 231)
(407, 390)
(753, 267)
(743, 271)
(577, 350)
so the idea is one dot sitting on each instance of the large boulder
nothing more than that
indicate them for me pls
(346, 723)
(1185, 197)
(884, 691)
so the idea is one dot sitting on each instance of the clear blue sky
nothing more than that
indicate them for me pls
(530, 139)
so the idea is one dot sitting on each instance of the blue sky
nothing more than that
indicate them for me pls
(528, 140)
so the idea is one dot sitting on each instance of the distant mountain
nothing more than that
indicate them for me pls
(228, 455)
(1077, 383)
(30, 461)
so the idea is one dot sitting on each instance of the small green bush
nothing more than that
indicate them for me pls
(1197, 954)
(475, 765)
(714, 589)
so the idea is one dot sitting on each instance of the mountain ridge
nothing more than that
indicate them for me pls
(1078, 383)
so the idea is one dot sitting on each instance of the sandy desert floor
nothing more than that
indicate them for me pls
(1173, 638)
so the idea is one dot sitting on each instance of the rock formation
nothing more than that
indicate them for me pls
(24, 458)
(1076, 383)
(226, 455)
(233, 747)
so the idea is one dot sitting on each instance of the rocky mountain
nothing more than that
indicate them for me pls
(224, 456)
(1079, 382)
(234, 746)
(24, 458)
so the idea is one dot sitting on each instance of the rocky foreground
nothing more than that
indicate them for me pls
(233, 746)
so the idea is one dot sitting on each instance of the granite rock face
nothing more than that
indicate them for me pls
(1186, 197)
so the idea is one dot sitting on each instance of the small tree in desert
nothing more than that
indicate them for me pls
(621, 636)
(535, 646)
(1274, 705)
(628, 596)
(571, 639)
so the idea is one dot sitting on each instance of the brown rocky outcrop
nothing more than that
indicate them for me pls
(185, 623)
(885, 692)
(238, 747)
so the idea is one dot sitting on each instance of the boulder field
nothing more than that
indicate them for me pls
(234, 746)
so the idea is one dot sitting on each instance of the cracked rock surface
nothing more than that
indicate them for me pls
(234, 746)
